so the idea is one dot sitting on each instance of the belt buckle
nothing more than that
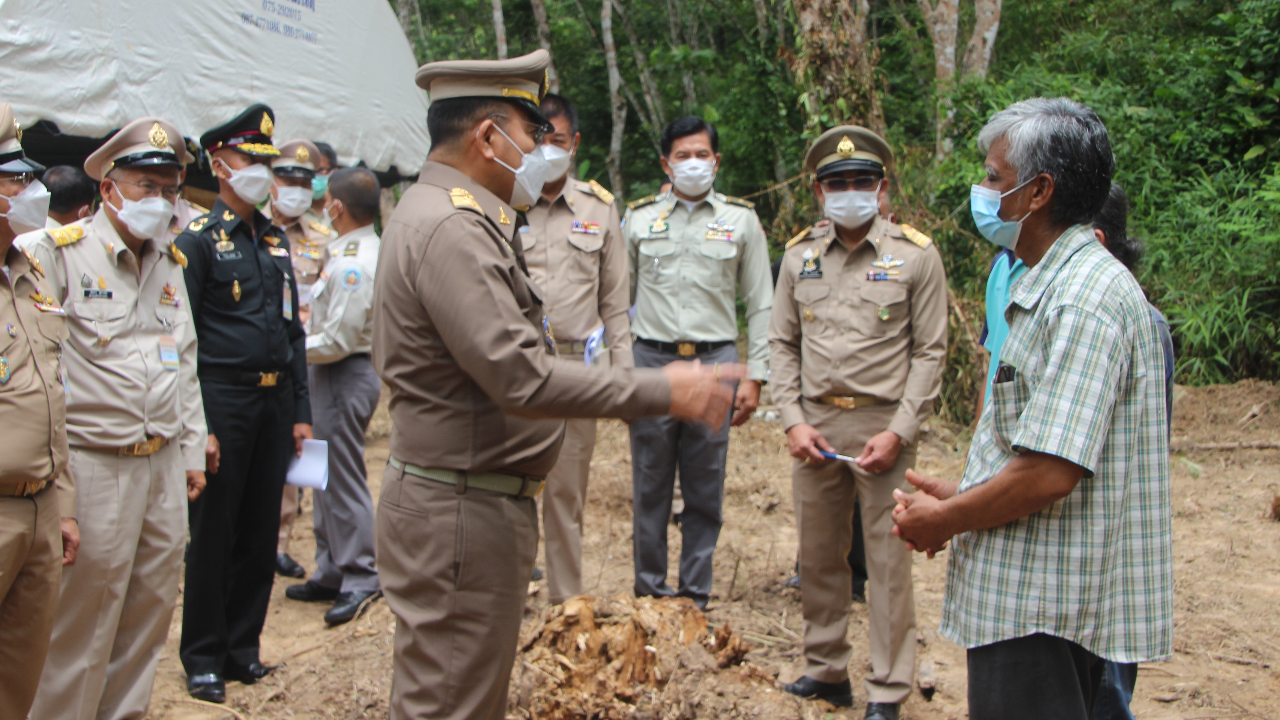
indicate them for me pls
(844, 403)
(268, 379)
(686, 349)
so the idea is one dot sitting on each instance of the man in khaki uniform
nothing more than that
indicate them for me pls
(574, 248)
(33, 446)
(857, 338)
(135, 423)
(309, 240)
(461, 338)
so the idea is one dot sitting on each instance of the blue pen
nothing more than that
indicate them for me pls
(837, 456)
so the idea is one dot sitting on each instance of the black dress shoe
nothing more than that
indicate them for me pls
(208, 687)
(792, 582)
(311, 591)
(349, 606)
(288, 567)
(839, 694)
(882, 711)
(246, 674)
(537, 574)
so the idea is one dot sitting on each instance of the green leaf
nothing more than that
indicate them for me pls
(584, 168)
(1254, 152)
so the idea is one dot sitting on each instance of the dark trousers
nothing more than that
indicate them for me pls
(234, 524)
(1036, 676)
(658, 446)
(1116, 692)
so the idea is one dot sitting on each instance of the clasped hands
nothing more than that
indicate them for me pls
(920, 519)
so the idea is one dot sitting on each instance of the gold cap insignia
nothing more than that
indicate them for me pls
(159, 138)
(302, 155)
(846, 148)
(267, 127)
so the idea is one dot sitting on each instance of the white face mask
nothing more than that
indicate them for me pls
(291, 201)
(693, 177)
(326, 217)
(851, 208)
(29, 208)
(558, 160)
(146, 218)
(252, 184)
(533, 173)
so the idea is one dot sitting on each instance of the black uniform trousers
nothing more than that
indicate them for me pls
(234, 524)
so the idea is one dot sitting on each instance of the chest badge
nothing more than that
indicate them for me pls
(659, 225)
(720, 230)
(883, 314)
(85, 281)
(272, 240)
(887, 262)
(812, 266)
(224, 246)
(585, 228)
(169, 295)
(235, 290)
(13, 331)
(4, 370)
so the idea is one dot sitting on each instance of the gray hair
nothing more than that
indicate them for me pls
(1061, 138)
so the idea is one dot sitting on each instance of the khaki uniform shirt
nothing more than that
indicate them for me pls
(575, 252)
(184, 213)
(342, 314)
(687, 267)
(459, 337)
(33, 445)
(867, 321)
(309, 241)
(131, 369)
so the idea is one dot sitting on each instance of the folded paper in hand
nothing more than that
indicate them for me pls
(312, 468)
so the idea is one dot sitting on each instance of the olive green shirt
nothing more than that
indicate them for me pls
(687, 268)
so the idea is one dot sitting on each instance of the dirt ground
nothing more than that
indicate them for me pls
(1227, 553)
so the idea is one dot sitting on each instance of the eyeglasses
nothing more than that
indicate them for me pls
(539, 132)
(168, 192)
(862, 183)
(23, 179)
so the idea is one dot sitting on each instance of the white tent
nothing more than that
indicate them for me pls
(340, 71)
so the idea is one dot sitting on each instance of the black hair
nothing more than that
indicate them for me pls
(1113, 221)
(359, 192)
(327, 151)
(69, 188)
(449, 119)
(554, 106)
(684, 127)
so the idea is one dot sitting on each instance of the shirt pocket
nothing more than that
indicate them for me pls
(226, 275)
(175, 322)
(102, 321)
(716, 264)
(884, 309)
(18, 374)
(583, 263)
(657, 261)
(1006, 408)
(811, 303)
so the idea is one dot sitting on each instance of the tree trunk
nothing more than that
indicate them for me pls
(762, 21)
(404, 11)
(977, 57)
(652, 96)
(943, 22)
(544, 40)
(615, 98)
(787, 208)
(499, 29)
(835, 67)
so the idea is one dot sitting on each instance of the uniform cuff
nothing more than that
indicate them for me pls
(193, 457)
(66, 502)
(905, 428)
(792, 415)
(653, 392)
(302, 413)
(757, 370)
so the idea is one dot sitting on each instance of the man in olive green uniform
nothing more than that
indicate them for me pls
(461, 339)
(33, 446)
(857, 338)
(573, 245)
(692, 251)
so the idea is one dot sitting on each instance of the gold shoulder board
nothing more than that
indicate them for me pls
(600, 192)
(178, 256)
(318, 227)
(739, 201)
(916, 236)
(462, 198)
(642, 202)
(199, 209)
(803, 234)
(64, 236)
(352, 248)
(198, 224)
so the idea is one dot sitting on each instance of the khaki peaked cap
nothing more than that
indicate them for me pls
(145, 142)
(848, 147)
(522, 79)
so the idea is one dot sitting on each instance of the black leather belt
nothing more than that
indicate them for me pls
(684, 349)
(244, 378)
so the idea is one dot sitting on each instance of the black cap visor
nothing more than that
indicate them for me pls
(147, 159)
(293, 171)
(840, 166)
(18, 162)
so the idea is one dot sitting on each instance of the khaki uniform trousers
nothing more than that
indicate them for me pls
(455, 569)
(30, 569)
(562, 503)
(290, 501)
(824, 498)
(118, 599)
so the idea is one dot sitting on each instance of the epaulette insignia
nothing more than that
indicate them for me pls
(228, 216)
(642, 202)
(178, 256)
(916, 236)
(319, 228)
(803, 234)
(64, 236)
(197, 208)
(462, 198)
(600, 192)
(353, 247)
(35, 264)
(198, 224)
(739, 201)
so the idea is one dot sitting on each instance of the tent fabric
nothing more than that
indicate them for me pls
(340, 71)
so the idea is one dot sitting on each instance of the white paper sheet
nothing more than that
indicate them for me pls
(312, 469)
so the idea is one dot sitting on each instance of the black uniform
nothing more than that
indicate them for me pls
(244, 300)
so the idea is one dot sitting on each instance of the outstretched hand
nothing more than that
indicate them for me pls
(702, 393)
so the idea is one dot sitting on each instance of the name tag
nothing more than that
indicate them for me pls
(169, 352)
(287, 304)
(233, 255)
(278, 252)
(97, 294)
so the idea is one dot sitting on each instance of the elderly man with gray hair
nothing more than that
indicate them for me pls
(1062, 552)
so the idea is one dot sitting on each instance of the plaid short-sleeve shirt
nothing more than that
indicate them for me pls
(1085, 382)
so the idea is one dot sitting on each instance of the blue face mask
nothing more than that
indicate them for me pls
(319, 185)
(984, 203)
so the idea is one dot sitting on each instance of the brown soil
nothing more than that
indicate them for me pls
(593, 655)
